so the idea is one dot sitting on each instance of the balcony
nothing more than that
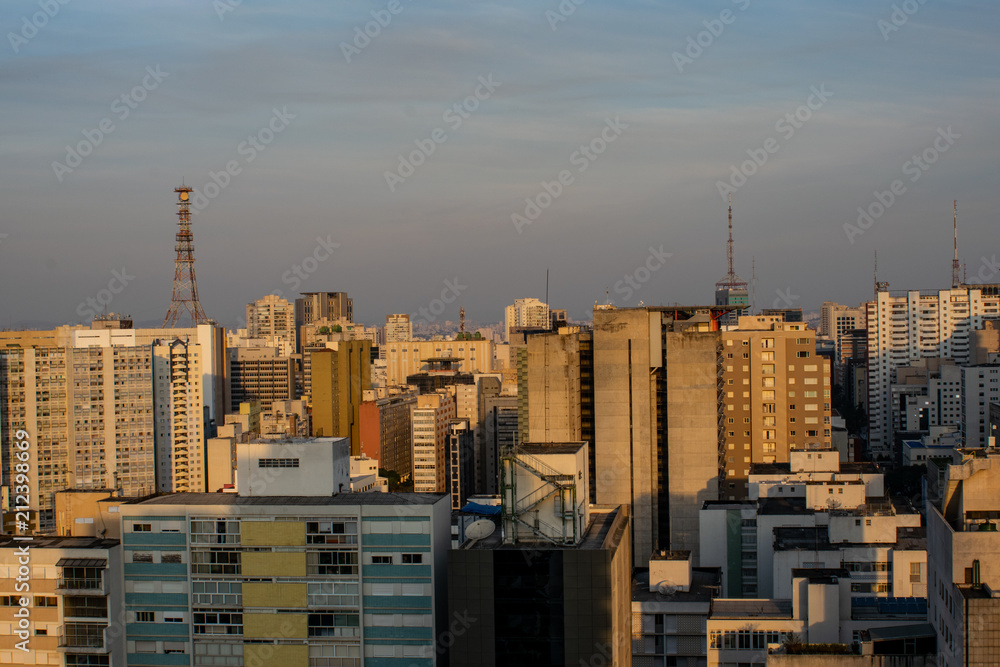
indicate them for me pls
(83, 637)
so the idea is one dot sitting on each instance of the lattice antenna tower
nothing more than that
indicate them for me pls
(185, 295)
(731, 281)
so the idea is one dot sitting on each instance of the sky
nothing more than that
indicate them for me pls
(596, 140)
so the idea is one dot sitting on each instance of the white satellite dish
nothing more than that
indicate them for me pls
(667, 587)
(478, 530)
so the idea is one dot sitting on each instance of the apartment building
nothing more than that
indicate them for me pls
(263, 374)
(431, 423)
(777, 397)
(906, 326)
(387, 432)
(272, 319)
(340, 375)
(71, 612)
(347, 580)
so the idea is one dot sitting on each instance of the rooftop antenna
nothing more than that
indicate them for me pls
(546, 287)
(879, 286)
(753, 283)
(954, 263)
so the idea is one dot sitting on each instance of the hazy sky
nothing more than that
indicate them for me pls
(684, 93)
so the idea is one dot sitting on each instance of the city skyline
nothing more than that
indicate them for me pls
(303, 122)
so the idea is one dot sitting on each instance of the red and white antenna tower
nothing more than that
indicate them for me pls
(185, 296)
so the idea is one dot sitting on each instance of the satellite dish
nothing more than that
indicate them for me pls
(479, 530)
(666, 587)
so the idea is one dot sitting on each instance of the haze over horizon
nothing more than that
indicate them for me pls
(309, 117)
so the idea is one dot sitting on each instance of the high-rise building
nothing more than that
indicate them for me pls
(118, 408)
(499, 434)
(906, 326)
(312, 306)
(431, 420)
(657, 419)
(272, 318)
(559, 401)
(963, 554)
(345, 579)
(461, 462)
(407, 358)
(527, 313)
(262, 374)
(777, 397)
(340, 375)
(552, 587)
(71, 612)
(980, 388)
(387, 432)
(398, 328)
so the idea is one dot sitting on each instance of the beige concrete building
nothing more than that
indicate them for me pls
(963, 552)
(71, 612)
(431, 422)
(410, 357)
(657, 420)
(272, 318)
(398, 328)
(777, 397)
(527, 313)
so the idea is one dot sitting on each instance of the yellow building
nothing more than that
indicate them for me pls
(340, 375)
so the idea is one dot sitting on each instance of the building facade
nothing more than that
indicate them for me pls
(777, 397)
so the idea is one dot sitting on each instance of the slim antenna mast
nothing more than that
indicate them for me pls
(729, 249)
(954, 263)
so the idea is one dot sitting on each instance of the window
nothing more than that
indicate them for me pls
(332, 562)
(142, 527)
(173, 617)
(217, 593)
(170, 558)
(413, 559)
(803, 354)
(334, 625)
(382, 560)
(227, 622)
(142, 557)
(45, 601)
(277, 463)
(144, 616)
(216, 561)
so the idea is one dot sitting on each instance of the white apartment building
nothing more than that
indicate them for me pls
(905, 327)
(529, 312)
(398, 328)
(272, 318)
